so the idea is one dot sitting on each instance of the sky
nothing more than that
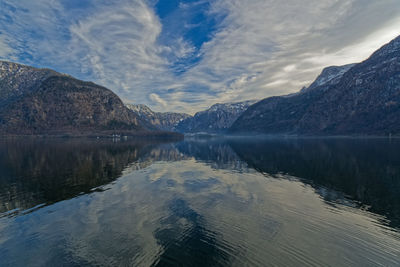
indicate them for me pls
(185, 55)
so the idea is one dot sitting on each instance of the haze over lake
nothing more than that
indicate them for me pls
(200, 202)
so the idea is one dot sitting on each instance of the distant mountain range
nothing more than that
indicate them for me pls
(217, 119)
(357, 99)
(166, 121)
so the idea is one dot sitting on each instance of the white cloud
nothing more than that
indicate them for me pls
(360, 50)
(6, 52)
(158, 100)
(271, 43)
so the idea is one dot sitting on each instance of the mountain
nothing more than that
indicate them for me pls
(359, 99)
(216, 119)
(166, 121)
(42, 101)
(280, 114)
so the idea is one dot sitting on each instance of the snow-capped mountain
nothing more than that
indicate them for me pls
(216, 119)
(166, 121)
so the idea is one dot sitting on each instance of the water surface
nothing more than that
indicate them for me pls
(219, 202)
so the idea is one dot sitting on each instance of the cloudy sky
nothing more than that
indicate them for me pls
(184, 55)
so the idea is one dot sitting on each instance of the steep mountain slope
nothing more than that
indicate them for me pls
(279, 114)
(40, 101)
(166, 121)
(365, 101)
(216, 119)
(361, 99)
(17, 80)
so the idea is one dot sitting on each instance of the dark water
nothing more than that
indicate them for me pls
(224, 202)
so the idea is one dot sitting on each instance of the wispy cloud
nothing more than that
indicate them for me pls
(157, 99)
(266, 47)
(252, 49)
(5, 50)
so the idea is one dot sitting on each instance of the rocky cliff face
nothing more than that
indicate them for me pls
(166, 121)
(218, 118)
(360, 99)
(41, 101)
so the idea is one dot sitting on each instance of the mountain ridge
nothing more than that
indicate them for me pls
(166, 121)
(216, 119)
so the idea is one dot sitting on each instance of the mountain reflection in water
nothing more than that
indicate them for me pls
(212, 202)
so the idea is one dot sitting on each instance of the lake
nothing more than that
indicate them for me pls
(200, 202)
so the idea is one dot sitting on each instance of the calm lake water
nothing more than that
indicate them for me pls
(220, 202)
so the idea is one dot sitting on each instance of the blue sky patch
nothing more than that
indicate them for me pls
(190, 22)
